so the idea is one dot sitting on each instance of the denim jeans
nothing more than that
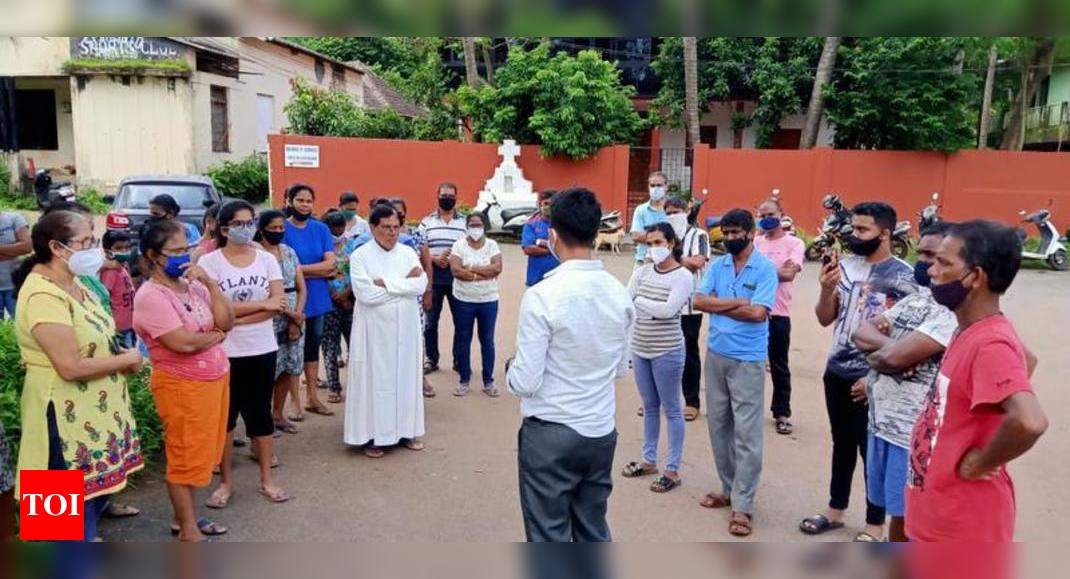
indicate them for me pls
(7, 303)
(658, 380)
(466, 316)
(439, 295)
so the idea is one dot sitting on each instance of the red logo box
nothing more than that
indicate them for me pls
(51, 505)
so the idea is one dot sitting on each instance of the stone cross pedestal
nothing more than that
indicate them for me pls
(507, 186)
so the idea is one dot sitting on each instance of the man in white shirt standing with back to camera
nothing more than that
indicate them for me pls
(572, 343)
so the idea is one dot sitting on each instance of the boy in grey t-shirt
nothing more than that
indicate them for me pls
(14, 243)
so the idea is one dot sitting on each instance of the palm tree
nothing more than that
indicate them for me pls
(691, 87)
(1034, 71)
(817, 97)
(470, 71)
(986, 101)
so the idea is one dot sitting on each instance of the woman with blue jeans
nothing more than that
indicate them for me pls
(476, 263)
(660, 290)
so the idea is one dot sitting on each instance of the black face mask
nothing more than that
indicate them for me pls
(273, 237)
(863, 247)
(736, 246)
(447, 203)
(300, 217)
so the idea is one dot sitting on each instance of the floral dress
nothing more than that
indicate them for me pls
(291, 357)
(97, 431)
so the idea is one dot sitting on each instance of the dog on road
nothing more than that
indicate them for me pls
(611, 238)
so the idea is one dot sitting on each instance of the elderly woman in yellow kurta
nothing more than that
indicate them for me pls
(75, 405)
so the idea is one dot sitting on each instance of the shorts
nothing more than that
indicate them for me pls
(313, 338)
(886, 475)
(252, 383)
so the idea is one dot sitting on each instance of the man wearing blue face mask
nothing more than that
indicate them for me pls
(787, 253)
(903, 346)
(649, 213)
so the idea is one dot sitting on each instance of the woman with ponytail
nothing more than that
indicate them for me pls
(660, 289)
(75, 408)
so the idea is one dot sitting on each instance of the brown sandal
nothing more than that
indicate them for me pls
(335, 398)
(740, 525)
(373, 451)
(690, 413)
(321, 410)
(715, 501)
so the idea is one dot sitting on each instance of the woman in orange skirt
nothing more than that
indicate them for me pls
(182, 318)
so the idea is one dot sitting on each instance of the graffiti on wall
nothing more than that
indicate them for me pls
(117, 47)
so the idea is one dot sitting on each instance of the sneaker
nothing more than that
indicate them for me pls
(462, 389)
(491, 390)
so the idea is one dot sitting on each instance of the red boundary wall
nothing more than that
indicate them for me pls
(972, 184)
(989, 184)
(412, 170)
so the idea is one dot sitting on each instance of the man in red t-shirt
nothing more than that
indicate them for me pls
(981, 412)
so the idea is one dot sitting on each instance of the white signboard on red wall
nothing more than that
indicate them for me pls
(307, 156)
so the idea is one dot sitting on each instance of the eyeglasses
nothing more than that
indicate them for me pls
(177, 251)
(88, 243)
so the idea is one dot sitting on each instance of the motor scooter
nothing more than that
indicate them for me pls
(507, 220)
(48, 192)
(1051, 247)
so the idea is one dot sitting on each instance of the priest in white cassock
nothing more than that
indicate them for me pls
(385, 405)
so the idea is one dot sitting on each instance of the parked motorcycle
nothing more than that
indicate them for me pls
(1051, 248)
(901, 241)
(511, 220)
(504, 220)
(930, 215)
(835, 227)
(48, 192)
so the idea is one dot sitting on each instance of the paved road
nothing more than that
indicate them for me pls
(463, 486)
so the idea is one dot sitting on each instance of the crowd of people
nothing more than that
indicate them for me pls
(233, 318)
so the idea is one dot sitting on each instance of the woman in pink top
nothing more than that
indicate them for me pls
(183, 317)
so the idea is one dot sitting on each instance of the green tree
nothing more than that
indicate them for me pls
(775, 72)
(903, 93)
(318, 112)
(570, 105)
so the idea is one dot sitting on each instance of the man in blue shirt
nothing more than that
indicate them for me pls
(738, 292)
(649, 213)
(535, 241)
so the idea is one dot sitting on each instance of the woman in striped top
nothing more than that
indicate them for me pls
(659, 290)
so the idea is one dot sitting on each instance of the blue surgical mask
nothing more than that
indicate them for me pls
(769, 223)
(657, 193)
(550, 246)
(174, 268)
(921, 273)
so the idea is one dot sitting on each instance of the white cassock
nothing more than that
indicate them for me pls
(385, 397)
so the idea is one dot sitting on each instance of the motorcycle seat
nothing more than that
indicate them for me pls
(713, 221)
(509, 214)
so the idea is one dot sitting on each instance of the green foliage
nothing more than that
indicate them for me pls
(129, 66)
(243, 179)
(572, 106)
(776, 72)
(94, 200)
(9, 196)
(902, 93)
(371, 50)
(318, 112)
(13, 374)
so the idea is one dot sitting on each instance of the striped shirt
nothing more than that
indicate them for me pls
(440, 235)
(696, 242)
(658, 298)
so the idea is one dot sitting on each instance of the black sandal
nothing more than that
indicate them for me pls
(818, 525)
(783, 426)
(664, 484)
(635, 469)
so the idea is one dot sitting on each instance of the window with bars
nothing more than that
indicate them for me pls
(220, 120)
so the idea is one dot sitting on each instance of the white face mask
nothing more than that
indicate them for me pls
(679, 224)
(659, 254)
(86, 261)
(476, 233)
(657, 192)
